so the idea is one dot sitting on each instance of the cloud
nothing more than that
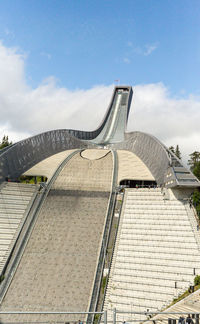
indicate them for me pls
(146, 50)
(173, 121)
(149, 49)
(26, 111)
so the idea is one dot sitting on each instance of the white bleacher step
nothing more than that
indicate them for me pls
(142, 295)
(137, 301)
(150, 273)
(154, 221)
(158, 232)
(160, 256)
(153, 207)
(133, 212)
(157, 243)
(120, 260)
(17, 196)
(6, 230)
(159, 249)
(160, 283)
(5, 203)
(8, 220)
(156, 237)
(171, 270)
(11, 207)
(168, 227)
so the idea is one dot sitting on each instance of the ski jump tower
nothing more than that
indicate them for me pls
(166, 168)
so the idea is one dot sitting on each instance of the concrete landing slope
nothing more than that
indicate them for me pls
(57, 270)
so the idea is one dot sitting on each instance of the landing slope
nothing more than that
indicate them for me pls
(58, 267)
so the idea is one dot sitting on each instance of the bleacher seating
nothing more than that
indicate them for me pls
(15, 202)
(155, 255)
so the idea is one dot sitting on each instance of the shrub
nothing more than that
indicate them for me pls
(197, 280)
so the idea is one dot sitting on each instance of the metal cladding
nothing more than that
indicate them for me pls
(167, 169)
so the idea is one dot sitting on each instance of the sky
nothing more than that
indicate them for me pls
(60, 59)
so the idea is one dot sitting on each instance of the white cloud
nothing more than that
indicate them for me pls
(173, 121)
(149, 49)
(26, 111)
(145, 51)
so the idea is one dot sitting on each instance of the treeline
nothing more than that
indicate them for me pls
(5, 142)
(26, 179)
(194, 163)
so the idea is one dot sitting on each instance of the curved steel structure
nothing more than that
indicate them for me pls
(25, 154)
(20, 157)
(166, 168)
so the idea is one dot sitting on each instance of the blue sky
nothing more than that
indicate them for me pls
(83, 43)
(59, 60)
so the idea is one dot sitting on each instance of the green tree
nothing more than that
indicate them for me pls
(196, 201)
(177, 152)
(171, 148)
(194, 159)
(5, 142)
(197, 280)
(196, 170)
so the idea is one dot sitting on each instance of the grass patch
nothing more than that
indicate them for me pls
(2, 278)
(104, 284)
(184, 295)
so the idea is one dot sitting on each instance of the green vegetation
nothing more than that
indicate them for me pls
(1, 278)
(196, 201)
(103, 284)
(171, 148)
(187, 292)
(197, 281)
(196, 170)
(31, 179)
(194, 163)
(194, 160)
(96, 318)
(5, 142)
(176, 151)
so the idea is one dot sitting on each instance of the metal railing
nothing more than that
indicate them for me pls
(112, 316)
(61, 317)
(105, 239)
(148, 317)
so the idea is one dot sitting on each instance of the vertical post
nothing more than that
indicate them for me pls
(114, 316)
(105, 317)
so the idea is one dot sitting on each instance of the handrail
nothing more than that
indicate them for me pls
(113, 249)
(105, 238)
(24, 240)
